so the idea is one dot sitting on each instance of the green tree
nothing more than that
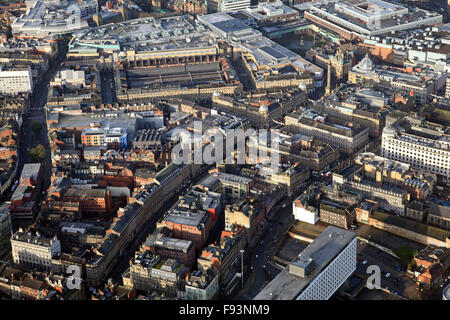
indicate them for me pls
(405, 254)
(38, 153)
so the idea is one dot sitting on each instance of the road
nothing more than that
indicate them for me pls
(263, 270)
(29, 139)
(107, 87)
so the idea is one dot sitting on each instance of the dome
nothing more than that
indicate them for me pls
(366, 64)
(303, 86)
(263, 108)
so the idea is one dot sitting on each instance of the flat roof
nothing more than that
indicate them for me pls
(288, 286)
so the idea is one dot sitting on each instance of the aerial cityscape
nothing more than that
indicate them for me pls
(237, 150)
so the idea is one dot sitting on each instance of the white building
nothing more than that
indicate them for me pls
(424, 148)
(227, 5)
(447, 89)
(368, 17)
(16, 80)
(201, 286)
(319, 271)
(34, 250)
(72, 78)
(303, 212)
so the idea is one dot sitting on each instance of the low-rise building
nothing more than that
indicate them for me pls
(202, 285)
(171, 248)
(335, 213)
(303, 211)
(148, 272)
(33, 250)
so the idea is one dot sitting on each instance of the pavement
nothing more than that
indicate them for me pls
(261, 267)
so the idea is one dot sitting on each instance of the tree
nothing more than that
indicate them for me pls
(38, 153)
(405, 253)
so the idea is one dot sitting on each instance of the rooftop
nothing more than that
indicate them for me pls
(288, 286)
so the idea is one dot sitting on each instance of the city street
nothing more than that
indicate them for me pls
(261, 268)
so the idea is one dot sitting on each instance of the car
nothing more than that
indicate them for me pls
(284, 205)
(364, 262)
(387, 275)
(256, 256)
(262, 242)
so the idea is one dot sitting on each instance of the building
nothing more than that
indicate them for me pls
(244, 214)
(347, 136)
(364, 106)
(420, 83)
(438, 214)
(93, 137)
(193, 216)
(447, 89)
(52, 19)
(5, 228)
(381, 170)
(171, 248)
(360, 19)
(148, 139)
(15, 80)
(446, 293)
(31, 174)
(69, 78)
(416, 210)
(227, 5)
(423, 145)
(202, 285)
(290, 178)
(33, 250)
(93, 202)
(224, 257)
(117, 139)
(302, 211)
(336, 213)
(148, 272)
(229, 185)
(432, 265)
(319, 270)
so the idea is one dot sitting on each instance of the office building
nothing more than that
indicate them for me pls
(359, 19)
(15, 80)
(319, 270)
(227, 5)
(423, 145)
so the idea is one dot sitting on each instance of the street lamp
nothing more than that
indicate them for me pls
(242, 266)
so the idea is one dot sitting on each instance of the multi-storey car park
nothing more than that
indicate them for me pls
(362, 18)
